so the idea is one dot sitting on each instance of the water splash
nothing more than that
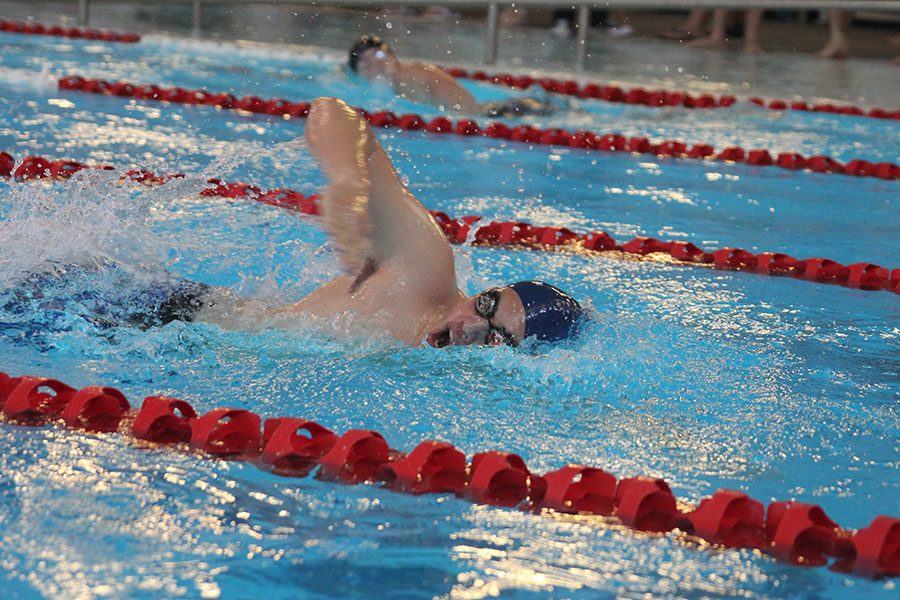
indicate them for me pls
(27, 80)
(91, 217)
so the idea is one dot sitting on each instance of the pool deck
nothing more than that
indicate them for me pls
(788, 69)
(870, 37)
(877, 40)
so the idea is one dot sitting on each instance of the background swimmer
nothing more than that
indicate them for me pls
(373, 59)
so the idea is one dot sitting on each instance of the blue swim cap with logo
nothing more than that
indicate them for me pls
(550, 313)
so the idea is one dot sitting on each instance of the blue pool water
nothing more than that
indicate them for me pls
(709, 379)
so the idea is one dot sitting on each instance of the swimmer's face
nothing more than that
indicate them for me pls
(377, 64)
(492, 318)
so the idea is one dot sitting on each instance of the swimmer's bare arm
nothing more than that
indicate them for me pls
(418, 81)
(367, 211)
(339, 140)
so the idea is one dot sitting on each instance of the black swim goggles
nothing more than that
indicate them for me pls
(486, 307)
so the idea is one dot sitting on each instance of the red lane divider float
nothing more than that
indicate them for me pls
(863, 275)
(586, 140)
(656, 98)
(791, 532)
(608, 93)
(69, 32)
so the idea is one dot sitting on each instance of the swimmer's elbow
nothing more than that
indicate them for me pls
(332, 123)
(325, 105)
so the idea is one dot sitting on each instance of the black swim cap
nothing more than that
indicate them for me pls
(550, 313)
(363, 44)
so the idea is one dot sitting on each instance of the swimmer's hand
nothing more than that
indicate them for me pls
(515, 107)
(341, 143)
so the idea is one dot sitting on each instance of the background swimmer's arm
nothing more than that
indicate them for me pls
(418, 81)
(367, 210)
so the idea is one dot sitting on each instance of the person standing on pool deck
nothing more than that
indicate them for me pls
(400, 275)
(372, 58)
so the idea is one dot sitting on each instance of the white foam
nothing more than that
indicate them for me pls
(91, 216)
(27, 80)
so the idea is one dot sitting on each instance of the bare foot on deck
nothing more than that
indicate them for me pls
(752, 48)
(834, 51)
(708, 42)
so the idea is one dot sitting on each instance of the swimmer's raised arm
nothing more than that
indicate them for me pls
(401, 277)
(372, 218)
(419, 81)
(342, 146)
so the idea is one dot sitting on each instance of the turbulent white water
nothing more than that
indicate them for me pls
(93, 216)
(28, 80)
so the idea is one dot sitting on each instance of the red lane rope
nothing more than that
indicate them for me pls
(586, 140)
(657, 98)
(595, 91)
(521, 234)
(69, 32)
(791, 532)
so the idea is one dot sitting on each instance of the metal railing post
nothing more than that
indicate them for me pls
(84, 12)
(581, 41)
(196, 17)
(490, 44)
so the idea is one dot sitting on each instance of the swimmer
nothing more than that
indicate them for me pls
(374, 60)
(400, 277)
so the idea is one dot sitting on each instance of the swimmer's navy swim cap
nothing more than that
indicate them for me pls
(550, 313)
(363, 44)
